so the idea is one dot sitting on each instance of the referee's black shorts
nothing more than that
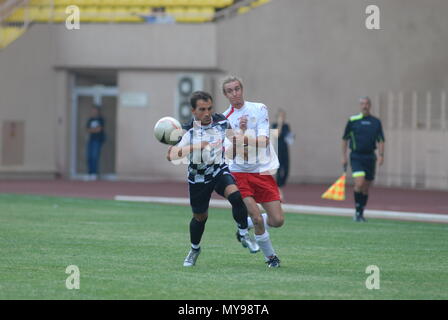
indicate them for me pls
(200, 193)
(363, 165)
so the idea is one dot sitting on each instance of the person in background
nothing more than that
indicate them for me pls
(285, 138)
(95, 128)
(158, 15)
(364, 133)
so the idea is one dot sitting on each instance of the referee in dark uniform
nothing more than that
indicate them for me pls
(364, 132)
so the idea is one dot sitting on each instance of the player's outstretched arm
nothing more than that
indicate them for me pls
(173, 153)
(176, 153)
(229, 150)
(245, 140)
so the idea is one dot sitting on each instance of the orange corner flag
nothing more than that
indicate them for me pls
(336, 191)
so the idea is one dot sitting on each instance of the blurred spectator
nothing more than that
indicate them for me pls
(95, 128)
(158, 15)
(285, 139)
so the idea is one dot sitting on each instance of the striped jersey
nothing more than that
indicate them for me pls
(206, 164)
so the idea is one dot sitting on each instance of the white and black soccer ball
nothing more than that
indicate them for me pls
(168, 130)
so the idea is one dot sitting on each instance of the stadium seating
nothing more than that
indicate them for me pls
(117, 11)
(9, 34)
(135, 3)
(126, 11)
(253, 4)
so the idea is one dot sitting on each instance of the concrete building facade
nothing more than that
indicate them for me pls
(313, 59)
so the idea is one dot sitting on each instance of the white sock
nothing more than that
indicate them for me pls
(195, 246)
(250, 223)
(265, 244)
(243, 231)
(265, 220)
(264, 215)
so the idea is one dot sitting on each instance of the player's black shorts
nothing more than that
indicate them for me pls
(200, 193)
(363, 165)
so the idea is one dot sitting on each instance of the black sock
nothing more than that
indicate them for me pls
(359, 202)
(239, 209)
(196, 230)
(365, 197)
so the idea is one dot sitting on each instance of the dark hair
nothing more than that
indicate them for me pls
(199, 95)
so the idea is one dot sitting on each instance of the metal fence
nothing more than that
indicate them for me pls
(415, 125)
(10, 31)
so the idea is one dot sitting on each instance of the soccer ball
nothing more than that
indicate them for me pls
(168, 130)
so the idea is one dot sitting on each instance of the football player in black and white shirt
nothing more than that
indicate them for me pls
(208, 171)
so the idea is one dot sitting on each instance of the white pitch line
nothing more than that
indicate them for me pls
(294, 208)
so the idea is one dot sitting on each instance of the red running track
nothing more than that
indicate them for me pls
(380, 198)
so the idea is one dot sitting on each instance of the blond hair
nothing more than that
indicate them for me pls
(229, 79)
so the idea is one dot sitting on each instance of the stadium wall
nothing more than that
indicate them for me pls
(139, 155)
(27, 95)
(312, 58)
(140, 46)
(316, 58)
(36, 79)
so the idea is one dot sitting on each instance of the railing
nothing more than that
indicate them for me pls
(11, 31)
(416, 130)
(7, 7)
(238, 7)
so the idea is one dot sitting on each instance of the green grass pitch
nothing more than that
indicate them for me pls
(130, 250)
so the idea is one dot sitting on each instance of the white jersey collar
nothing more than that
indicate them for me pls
(240, 109)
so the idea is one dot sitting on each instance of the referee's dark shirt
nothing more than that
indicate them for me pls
(363, 133)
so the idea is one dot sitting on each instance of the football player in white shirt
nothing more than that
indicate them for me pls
(253, 172)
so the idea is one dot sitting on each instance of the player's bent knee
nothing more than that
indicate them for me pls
(281, 222)
(278, 222)
(201, 217)
(235, 199)
(275, 215)
(229, 190)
